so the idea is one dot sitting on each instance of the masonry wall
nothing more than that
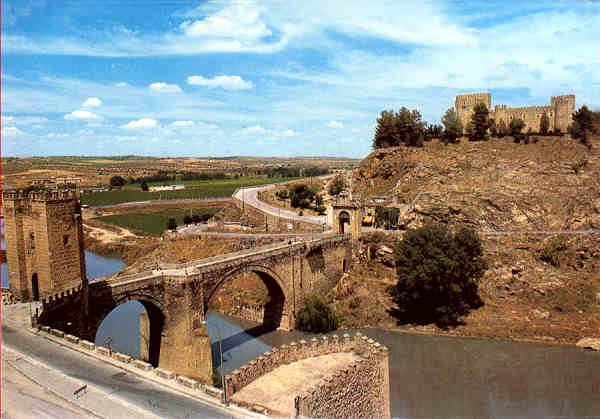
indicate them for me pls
(275, 223)
(44, 241)
(362, 390)
(559, 112)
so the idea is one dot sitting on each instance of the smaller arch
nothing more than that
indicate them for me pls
(343, 219)
(274, 309)
(156, 320)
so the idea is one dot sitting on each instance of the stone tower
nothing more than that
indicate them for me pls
(44, 242)
(347, 214)
(563, 107)
(464, 105)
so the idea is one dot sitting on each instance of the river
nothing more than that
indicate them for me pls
(430, 376)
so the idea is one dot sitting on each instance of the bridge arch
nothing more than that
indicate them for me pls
(156, 317)
(276, 312)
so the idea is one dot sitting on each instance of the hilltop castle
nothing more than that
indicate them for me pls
(560, 111)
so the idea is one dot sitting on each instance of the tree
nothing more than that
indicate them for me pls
(385, 133)
(493, 128)
(516, 126)
(438, 274)
(501, 129)
(144, 186)
(403, 127)
(544, 124)
(316, 317)
(336, 186)
(117, 181)
(172, 224)
(479, 123)
(583, 125)
(301, 196)
(452, 126)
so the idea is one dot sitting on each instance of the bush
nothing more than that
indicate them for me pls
(187, 220)
(550, 253)
(144, 186)
(316, 317)
(438, 273)
(172, 224)
(516, 126)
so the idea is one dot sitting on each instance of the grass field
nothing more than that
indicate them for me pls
(193, 189)
(155, 222)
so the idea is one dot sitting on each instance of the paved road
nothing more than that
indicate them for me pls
(250, 196)
(127, 387)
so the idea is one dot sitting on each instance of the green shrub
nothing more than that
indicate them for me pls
(438, 273)
(316, 317)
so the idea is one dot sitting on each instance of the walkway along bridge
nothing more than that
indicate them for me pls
(177, 297)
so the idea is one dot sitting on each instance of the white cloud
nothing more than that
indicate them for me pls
(79, 114)
(92, 102)
(12, 132)
(179, 124)
(255, 129)
(141, 123)
(237, 21)
(335, 124)
(288, 133)
(224, 82)
(7, 118)
(121, 84)
(164, 87)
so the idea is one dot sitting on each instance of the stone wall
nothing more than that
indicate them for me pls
(559, 111)
(275, 223)
(362, 390)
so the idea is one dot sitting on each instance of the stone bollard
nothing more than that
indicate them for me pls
(142, 365)
(72, 339)
(314, 351)
(347, 345)
(87, 345)
(335, 343)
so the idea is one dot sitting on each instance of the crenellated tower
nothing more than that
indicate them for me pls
(564, 107)
(464, 105)
(44, 242)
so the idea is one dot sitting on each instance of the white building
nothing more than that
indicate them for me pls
(166, 188)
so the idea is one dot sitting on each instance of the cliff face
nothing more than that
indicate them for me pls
(517, 196)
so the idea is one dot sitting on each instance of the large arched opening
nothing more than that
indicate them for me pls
(133, 327)
(244, 306)
(344, 220)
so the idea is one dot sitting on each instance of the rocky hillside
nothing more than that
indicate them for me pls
(491, 186)
(533, 206)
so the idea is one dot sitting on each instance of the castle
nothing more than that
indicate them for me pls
(44, 242)
(559, 112)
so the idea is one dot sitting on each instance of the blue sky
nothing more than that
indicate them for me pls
(273, 78)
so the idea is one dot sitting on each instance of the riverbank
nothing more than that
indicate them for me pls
(562, 315)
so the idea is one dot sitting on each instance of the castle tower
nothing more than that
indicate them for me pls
(44, 242)
(464, 105)
(563, 106)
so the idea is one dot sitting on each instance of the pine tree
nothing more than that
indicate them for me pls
(479, 123)
(385, 133)
(452, 126)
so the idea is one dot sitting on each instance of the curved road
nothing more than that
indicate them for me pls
(250, 197)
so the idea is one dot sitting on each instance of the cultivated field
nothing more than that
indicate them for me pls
(193, 190)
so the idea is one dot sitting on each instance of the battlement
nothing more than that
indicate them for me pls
(40, 196)
(474, 99)
(286, 354)
(563, 99)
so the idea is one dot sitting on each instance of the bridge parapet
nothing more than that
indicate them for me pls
(361, 345)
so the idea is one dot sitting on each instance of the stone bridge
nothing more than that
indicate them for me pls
(177, 297)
